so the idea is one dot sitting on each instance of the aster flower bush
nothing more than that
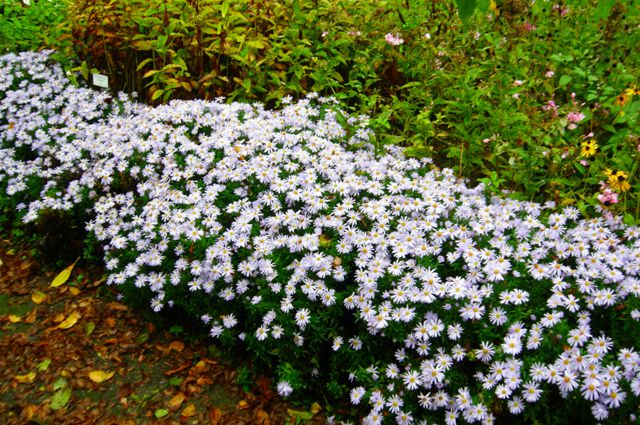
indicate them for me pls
(377, 279)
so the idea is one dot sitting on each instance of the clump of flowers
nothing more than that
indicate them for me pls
(374, 277)
(394, 39)
(607, 196)
(574, 118)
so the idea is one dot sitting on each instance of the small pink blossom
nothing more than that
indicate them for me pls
(574, 117)
(551, 107)
(562, 10)
(549, 74)
(516, 95)
(528, 26)
(518, 83)
(584, 162)
(427, 36)
(393, 39)
(608, 196)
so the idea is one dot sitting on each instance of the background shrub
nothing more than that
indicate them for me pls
(511, 96)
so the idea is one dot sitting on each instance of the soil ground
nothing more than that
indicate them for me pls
(73, 355)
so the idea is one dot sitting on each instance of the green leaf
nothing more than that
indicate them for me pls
(60, 398)
(629, 220)
(89, 327)
(142, 338)
(466, 9)
(156, 94)
(603, 8)
(564, 80)
(59, 383)
(224, 10)
(175, 381)
(300, 415)
(43, 365)
(416, 152)
(143, 63)
(160, 413)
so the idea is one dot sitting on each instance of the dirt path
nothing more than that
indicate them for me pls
(73, 355)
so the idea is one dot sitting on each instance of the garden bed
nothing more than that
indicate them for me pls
(351, 275)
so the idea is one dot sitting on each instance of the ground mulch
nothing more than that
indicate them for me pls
(72, 354)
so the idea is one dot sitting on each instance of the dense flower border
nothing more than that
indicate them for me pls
(283, 230)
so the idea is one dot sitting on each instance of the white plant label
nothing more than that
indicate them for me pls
(101, 80)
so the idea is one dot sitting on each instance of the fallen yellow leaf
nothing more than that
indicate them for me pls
(189, 411)
(176, 401)
(38, 297)
(63, 276)
(25, 379)
(15, 319)
(242, 404)
(74, 290)
(71, 320)
(98, 376)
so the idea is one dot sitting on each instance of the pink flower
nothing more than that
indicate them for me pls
(518, 83)
(551, 107)
(584, 162)
(528, 26)
(562, 10)
(393, 39)
(549, 74)
(574, 117)
(516, 95)
(608, 196)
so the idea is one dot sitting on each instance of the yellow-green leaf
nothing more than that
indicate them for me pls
(60, 398)
(59, 383)
(156, 94)
(15, 319)
(25, 379)
(44, 365)
(160, 413)
(300, 415)
(63, 276)
(99, 376)
(69, 321)
(38, 297)
(89, 328)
